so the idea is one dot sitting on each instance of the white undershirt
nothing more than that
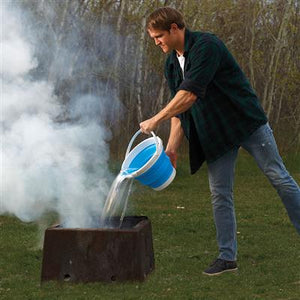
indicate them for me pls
(181, 60)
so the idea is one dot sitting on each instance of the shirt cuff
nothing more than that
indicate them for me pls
(193, 86)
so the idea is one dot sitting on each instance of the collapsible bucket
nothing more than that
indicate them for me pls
(148, 163)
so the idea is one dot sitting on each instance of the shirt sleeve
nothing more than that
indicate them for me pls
(205, 57)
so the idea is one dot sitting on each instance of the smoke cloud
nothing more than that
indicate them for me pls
(54, 153)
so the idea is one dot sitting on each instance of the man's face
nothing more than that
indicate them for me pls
(163, 38)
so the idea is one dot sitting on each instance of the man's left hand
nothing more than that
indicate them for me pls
(148, 125)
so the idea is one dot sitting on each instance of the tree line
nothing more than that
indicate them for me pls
(102, 47)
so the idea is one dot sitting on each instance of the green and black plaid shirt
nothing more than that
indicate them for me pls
(227, 110)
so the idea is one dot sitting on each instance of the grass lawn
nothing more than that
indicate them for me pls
(184, 245)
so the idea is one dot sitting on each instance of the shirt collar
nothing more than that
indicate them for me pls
(188, 42)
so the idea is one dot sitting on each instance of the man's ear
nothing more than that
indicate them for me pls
(174, 28)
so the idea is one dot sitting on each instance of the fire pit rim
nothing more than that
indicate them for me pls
(135, 228)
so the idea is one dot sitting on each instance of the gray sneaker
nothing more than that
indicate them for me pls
(220, 266)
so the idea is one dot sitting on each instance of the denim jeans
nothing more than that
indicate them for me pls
(262, 146)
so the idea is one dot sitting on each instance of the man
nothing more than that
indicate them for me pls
(215, 107)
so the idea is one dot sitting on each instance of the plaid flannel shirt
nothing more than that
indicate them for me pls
(227, 110)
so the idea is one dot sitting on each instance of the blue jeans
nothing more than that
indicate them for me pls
(262, 146)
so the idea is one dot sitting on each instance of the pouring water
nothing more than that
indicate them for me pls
(149, 164)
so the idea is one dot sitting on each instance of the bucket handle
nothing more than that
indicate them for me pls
(134, 137)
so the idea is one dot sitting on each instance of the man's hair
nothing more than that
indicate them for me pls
(163, 17)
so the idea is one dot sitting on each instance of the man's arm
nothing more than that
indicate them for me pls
(175, 140)
(182, 101)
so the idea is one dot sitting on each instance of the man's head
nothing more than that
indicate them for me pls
(166, 26)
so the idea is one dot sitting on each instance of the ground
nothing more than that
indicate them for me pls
(184, 245)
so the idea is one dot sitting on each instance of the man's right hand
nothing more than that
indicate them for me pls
(173, 157)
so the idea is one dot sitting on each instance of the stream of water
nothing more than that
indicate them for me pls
(117, 199)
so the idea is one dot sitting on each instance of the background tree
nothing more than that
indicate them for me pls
(102, 47)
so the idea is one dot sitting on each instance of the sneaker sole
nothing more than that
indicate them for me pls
(219, 273)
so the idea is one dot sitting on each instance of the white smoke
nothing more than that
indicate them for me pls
(47, 165)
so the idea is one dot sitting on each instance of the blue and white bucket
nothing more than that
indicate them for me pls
(148, 163)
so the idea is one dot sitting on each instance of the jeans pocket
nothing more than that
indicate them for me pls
(260, 137)
(268, 128)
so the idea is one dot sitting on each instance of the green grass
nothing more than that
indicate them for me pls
(184, 244)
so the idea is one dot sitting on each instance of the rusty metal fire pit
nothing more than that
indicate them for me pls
(99, 254)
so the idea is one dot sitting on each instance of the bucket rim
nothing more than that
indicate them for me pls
(137, 149)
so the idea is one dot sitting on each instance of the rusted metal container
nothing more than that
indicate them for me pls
(99, 254)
